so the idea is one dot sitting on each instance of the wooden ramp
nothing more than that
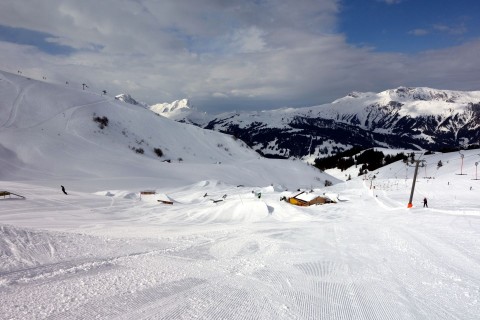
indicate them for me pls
(11, 195)
(165, 201)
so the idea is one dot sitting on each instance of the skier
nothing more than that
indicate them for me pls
(63, 189)
(425, 202)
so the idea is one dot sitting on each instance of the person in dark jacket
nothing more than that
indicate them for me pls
(425, 202)
(63, 189)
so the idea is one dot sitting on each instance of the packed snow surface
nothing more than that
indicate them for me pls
(219, 244)
(119, 254)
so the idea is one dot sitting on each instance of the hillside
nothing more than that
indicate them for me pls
(51, 133)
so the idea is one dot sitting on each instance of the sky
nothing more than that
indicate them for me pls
(243, 55)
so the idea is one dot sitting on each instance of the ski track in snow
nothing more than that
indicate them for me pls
(18, 100)
(67, 114)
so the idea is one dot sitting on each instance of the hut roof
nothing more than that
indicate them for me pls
(307, 196)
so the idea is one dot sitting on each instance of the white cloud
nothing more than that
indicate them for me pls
(440, 28)
(419, 32)
(248, 40)
(391, 1)
(219, 95)
(452, 30)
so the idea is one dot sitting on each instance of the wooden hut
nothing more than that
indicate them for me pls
(305, 199)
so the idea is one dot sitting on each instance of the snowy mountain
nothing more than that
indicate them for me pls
(125, 97)
(53, 133)
(408, 118)
(181, 111)
(169, 109)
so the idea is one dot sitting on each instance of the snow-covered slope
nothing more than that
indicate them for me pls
(118, 254)
(52, 133)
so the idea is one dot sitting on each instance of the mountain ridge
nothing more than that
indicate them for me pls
(127, 98)
(417, 118)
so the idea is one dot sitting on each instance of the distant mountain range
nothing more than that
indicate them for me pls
(402, 118)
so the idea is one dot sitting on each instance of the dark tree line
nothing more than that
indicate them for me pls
(341, 160)
(369, 159)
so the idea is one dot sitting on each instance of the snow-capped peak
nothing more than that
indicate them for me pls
(421, 94)
(181, 111)
(125, 97)
(166, 108)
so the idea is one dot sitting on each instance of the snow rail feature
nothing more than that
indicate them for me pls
(10, 194)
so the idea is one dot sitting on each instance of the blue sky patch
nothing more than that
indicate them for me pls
(33, 38)
(410, 26)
